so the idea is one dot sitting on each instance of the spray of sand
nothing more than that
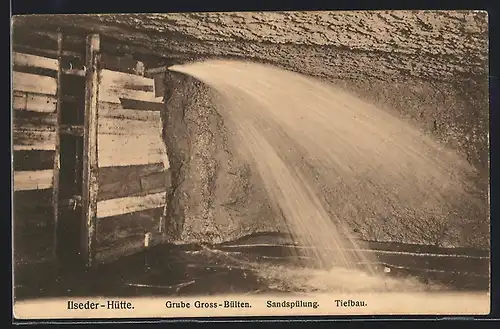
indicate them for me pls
(306, 137)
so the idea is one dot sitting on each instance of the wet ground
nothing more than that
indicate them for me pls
(258, 264)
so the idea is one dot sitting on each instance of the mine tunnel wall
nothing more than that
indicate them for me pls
(428, 67)
(215, 196)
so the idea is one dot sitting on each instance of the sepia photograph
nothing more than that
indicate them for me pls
(230, 164)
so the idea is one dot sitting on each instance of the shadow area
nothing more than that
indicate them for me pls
(244, 267)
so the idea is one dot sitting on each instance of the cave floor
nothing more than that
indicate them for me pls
(240, 267)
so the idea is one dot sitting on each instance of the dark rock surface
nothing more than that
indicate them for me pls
(428, 67)
(215, 196)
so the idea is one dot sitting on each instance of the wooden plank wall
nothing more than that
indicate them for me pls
(34, 116)
(133, 165)
(132, 162)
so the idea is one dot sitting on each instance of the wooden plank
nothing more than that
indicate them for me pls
(124, 150)
(33, 160)
(145, 100)
(112, 126)
(156, 182)
(126, 247)
(39, 121)
(49, 53)
(116, 228)
(119, 188)
(116, 85)
(27, 202)
(90, 164)
(109, 175)
(120, 80)
(34, 102)
(57, 159)
(27, 60)
(33, 222)
(33, 83)
(122, 64)
(118, 206)
(33, 180)
(34, 140)
(117, 182)
(135, 104)
(113, 110)
(47, 40)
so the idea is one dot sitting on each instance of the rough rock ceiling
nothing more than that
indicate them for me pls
(441, 45)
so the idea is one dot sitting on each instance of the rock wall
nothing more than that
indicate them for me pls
(215, 196)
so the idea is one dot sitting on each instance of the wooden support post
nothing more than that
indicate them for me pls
(90, 167)
(165, 93)
(57, 158)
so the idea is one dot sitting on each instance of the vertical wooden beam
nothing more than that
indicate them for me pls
(163, 116)
(90, 167)
(57, 158)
